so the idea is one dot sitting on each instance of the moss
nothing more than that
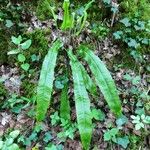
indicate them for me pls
(3, 93)
(99, 30)
(28, 88)
(39, 45)
(43, 11)
(139, 8)
(3, 47)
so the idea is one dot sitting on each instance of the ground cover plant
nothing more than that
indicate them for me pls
(74, 75)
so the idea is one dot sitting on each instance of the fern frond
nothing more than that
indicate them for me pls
(82, 103)
(64, 104)
(67, 19)
(103, 79)
(45, 84)
(89, 84)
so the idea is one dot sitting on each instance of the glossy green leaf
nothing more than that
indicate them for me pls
(64, 104)
(25, 66)
(1, 144)
(13, 147)
(14, 134)
(16, 40)
(103, 79)
(21, 58)
(121, 120)
(67, 20)
(45, 84)
(97, 114)
(26, 44)
(9, 23)
(126, 22)
(123, 141)
(82, 102)
(84, 16)
(14, 51)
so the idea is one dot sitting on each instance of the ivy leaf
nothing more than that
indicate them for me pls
(60, 82)
(97, 114)
(9, 141)
(13, 147)
(136, 80)
(26, 44)
(47, 137)
(107, 1)
(33, 136)
(127, 77)
(9, 23)
(139, 125)
(25, 66)
(118, 35)
(107, 136)
(126, 22)
(14, 134)
(121, 120)
(51, 147)
(17, 40)
(114, 131)
(145, 41)
(17, 109)
(1, 144)
(140, 26)
(124, 141)
(133, 43)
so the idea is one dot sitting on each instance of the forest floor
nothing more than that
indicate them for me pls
(18, 88)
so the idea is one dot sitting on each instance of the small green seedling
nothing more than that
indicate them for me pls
(140, 121)
(8, 143)
(21, 46)
(16, 104)
(55, 118)
(111, 134)
(68, 130)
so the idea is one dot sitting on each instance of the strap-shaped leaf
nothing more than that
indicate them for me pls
(89, 84)
(82, 102)
(83, 18)
(64, 104)
(45, 84)
(67, 20)
(103, 79)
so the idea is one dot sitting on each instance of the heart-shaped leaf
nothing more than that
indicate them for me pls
(21, 58)
(25, 66)
(26, 44)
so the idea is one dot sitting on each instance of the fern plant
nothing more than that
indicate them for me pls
(81, 80)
